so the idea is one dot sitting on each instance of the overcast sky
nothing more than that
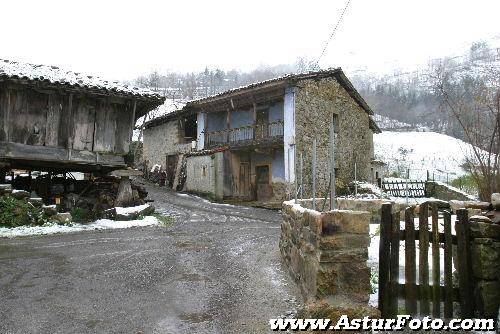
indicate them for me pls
(122, 39)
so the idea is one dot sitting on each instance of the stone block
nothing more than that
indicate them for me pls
(344, 256)
(315, 224)
(308, 276)
(63, 217)
(5, 189)
(36, 202)
(343, 221)
(333, 309)
(20, 194)
(344, 241)
(488, 298)
(495, 201)
(49, 210)
(486, 258)
(455, 205)
(481, 229)
(295, 260)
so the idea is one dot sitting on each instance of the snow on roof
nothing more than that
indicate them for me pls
(332, 72)
(55, 75)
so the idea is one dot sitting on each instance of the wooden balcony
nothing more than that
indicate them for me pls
(257, 134)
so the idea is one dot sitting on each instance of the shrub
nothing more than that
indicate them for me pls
(15, 212)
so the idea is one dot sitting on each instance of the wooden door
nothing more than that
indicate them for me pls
(244, 181)
(262, 123)
(263, 177)
(171, 167)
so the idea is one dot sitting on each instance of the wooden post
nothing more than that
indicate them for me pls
(410, 264)
(436, 299)
(254, 120)
(7, 115)
(465, 279)
(332, 165)
(132, 125)
(448, 260)
(314, 175)
(70, 125)
(228, 124)
(384, 258)
(394, 271)
(423, 262)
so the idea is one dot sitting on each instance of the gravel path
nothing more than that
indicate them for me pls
(215, 270)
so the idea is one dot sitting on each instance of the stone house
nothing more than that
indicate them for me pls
(245, 143)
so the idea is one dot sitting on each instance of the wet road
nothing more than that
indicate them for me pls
(215, 270)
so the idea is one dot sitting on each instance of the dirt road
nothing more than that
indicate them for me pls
(215, 270)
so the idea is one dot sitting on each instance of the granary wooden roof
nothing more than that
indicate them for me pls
(54, 75)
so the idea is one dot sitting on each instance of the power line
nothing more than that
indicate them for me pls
(333, 33)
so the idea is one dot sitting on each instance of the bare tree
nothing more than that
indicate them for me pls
(470, 91)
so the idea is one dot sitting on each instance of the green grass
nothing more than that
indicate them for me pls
(165, 221)
(465, 183)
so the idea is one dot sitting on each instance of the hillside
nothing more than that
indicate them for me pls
(439, 154)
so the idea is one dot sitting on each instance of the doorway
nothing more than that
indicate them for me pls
(263, 178)
(262, 123)
(171, 166)
(244, 180)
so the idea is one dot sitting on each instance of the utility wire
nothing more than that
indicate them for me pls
(332, 34)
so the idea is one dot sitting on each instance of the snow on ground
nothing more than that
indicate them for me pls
(52, 228)
(439, 154)
(130, 210)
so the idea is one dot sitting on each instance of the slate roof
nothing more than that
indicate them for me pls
(57, 76)
(337, 73)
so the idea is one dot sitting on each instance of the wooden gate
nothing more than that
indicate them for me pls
(419, 295)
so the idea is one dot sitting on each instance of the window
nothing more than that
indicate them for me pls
(335, 120)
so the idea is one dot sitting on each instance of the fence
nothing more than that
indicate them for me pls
(405, 188)
(428, 291)
(245, 133)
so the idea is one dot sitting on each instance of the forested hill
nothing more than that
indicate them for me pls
(408, 98)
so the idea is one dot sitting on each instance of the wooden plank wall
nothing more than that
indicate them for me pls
(65, 120)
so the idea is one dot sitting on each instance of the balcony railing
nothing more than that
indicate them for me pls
(246, 134)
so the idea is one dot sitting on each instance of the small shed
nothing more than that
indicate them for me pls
(57, 120)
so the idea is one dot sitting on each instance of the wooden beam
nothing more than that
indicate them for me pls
(132, 125)
(35, 154)
(7, 115)
(70, 123)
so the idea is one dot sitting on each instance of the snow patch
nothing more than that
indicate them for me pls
(439, 154)
(130, 210)
(52, 228)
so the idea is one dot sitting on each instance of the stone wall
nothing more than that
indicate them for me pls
(160, 141)
(326, 254)
(445, 192)
(486, 265)
(205, 174)
(372, 206)
(316, 102)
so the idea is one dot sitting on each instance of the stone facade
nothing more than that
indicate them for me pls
(486, 265)
(159, 141)
(326, 254)
(305, 106)
(315, 104)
